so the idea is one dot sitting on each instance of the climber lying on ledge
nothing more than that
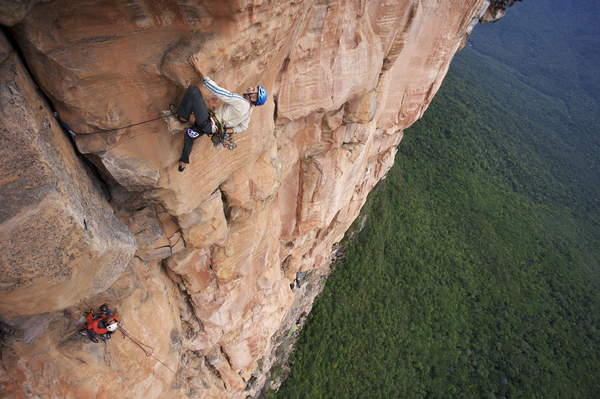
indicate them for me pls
(100, 326)
(233, 116)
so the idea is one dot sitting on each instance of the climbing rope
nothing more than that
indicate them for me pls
(147, 349)
(68, 314)
(72, 133)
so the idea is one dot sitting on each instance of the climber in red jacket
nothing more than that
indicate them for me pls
(100, 326)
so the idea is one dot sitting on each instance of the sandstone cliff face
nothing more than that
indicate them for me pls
(209, 265)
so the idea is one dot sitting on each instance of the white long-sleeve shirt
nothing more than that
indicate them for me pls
(235, 112)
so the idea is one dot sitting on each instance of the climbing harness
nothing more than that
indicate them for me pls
(74, 134)
(221, 137)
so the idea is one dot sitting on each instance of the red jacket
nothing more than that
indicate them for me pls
(93, 324)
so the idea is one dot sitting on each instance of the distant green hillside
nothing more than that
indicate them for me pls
(478, 272)
(550, 50)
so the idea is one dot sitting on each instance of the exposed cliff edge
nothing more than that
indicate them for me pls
(207, 266)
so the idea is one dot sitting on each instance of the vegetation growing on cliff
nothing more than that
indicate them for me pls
(480, 275)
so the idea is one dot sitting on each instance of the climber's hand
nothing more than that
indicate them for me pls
(195, 63)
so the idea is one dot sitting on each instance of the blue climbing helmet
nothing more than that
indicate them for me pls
(262, 96)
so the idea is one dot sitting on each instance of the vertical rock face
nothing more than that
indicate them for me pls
(208, 265)
(61, 240)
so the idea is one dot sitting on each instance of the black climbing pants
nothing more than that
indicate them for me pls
(193, 102)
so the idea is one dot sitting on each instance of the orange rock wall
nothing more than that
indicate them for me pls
(204, 265)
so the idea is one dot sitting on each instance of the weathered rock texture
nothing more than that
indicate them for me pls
(61, 240)
(223, 251)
